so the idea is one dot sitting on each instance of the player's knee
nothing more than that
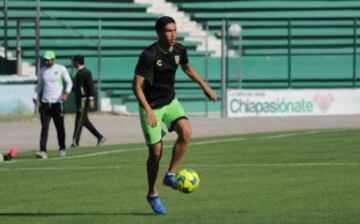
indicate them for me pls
(155, 153)
(156, 156)
(152, 163)
(185, 135)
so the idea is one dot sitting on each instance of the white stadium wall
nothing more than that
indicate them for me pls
(16, 99)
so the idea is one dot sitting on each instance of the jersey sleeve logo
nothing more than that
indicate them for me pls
(177, 59)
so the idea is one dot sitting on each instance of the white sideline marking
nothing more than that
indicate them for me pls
(141, 149)
(219, 141)
(169, 146)
(289, 134)
(279, 136)
(95, 154)
(144, 148)
(275, 164)
(320, 164)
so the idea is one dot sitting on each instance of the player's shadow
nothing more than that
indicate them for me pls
(52, 214)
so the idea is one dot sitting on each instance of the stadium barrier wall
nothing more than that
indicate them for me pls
(17, 99)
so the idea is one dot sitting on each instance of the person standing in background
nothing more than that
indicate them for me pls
(84, 97)
(50, 96)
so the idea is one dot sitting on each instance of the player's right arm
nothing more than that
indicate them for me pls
(38, 89)
(140, 96)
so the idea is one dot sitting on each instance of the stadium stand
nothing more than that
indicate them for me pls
(71, 27)
(320, 37)
(297, 44)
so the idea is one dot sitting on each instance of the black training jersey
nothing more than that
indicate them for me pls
(159, 68)
(84, 85)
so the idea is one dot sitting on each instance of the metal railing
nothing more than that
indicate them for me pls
(289, 46)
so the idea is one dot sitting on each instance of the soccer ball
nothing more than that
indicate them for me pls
(235, 29)
(187, 180)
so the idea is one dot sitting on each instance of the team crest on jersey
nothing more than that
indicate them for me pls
(159, 62)
(177, 59)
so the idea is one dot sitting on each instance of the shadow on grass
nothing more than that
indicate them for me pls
(53, 214)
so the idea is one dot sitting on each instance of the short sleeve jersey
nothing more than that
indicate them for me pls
(159, 69)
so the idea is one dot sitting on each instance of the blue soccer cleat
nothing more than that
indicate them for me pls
(170, 181)
(156, 205)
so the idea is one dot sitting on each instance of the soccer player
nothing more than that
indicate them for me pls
(50, 94)
(153, 86)
(84, 96)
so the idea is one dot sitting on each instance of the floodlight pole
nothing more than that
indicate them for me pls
(227, 41)
(206, 63)
(18, 48)
(354, 53)
(37, 38)
(223, 68)
(240, 60)
(6, 18)
(99, 66)
(289, 54)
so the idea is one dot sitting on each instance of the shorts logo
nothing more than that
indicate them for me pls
(159, 63)
(177, 59)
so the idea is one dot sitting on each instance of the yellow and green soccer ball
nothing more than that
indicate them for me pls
(187, 180)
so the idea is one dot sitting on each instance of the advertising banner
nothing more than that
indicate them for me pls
(309, 102)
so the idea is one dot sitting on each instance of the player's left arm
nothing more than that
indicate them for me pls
(68, 83)
(38, 89)
(90, 89)
(192, 73)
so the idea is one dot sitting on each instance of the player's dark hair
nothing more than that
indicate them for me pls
(79, 58)
(162, 22)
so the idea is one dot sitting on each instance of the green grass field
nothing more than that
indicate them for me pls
(294, 177)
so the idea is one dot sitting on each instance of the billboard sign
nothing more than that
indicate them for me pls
(309, 102)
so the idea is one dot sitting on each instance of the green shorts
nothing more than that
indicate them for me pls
(167, 114)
